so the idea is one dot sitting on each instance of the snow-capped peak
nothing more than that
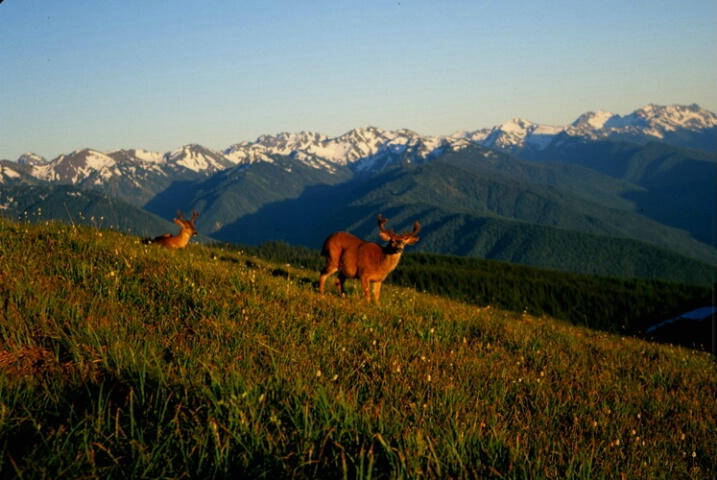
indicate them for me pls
(369, 147)
(197, 158)
(652, 121)
(672, 117)
(30, 158)
(146, 155)
(515, 134)
(593, 120)
(649, 122)
(366, 147)
(74, 167)
(517, 126)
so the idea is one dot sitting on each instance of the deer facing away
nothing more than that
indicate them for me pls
(182, 238)
(368, 261)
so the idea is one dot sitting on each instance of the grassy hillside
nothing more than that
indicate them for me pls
(122, 360)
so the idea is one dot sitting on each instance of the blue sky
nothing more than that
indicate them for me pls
(162, 74)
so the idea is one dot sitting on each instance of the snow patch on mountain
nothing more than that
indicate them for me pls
(97, 161)
(592, 120)
(516, 133)
(649, 122)
(6, 173)
(30, 158)
(73, 168)
(361, 145)
(147, 156)
(197, 159)
(542, 135)
(656, 120)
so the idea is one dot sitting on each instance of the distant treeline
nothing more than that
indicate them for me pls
(609, 304)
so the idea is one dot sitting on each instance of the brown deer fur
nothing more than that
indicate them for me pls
(367, 261)
(182, 238)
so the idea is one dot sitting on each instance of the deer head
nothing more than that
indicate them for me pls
(395, 241)
(187, 224)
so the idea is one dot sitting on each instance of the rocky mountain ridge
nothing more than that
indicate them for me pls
(369, 148)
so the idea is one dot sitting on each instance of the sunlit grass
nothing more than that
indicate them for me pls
(125, 360)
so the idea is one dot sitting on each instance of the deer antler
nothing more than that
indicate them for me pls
(381, 222)
(180, 216)
(416, 229)
(406, 235)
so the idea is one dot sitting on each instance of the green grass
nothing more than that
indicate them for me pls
(121, 360)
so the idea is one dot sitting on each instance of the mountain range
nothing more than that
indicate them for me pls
(608, 194)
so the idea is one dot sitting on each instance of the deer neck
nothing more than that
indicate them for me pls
(183, 237)
(390, 258)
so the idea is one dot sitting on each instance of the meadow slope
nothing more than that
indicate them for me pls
(120, 360)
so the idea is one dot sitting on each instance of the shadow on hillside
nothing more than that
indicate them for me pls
(178, 196)
(310, 218)
(695, 329)
(292, 220)
(685, 208)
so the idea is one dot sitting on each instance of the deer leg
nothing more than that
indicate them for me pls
(366, 286)
(328, 270)
(340, 283)
(376, 291)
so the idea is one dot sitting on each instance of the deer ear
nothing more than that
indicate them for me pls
(384, 236)
(411, 240)
(178, 222)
